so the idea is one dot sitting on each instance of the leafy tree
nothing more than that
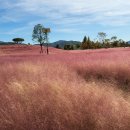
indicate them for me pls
(104, 43)
(46, 31)
(107, 43)
(107, 40)
(18, 40)
(92, 45)
(57, 46)
(38, 35)
(115, 44)
(122, 43)
(86, 44)
(68, 47)
(65, 47)
(71, 47)
(127, 44)
(102, 36)
(77, 46)
(114, 38)
(97, 45)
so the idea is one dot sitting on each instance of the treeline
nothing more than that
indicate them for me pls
(106, 43)
(101, 42)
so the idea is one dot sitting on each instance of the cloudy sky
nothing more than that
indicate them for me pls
(68, 19)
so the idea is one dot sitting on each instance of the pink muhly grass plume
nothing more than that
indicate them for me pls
(66, 90)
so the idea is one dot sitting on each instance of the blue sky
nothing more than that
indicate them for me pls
(68, 19)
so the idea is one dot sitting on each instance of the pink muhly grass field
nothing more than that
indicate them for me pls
(65, 90)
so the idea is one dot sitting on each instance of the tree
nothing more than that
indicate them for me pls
(114, 38)
(88, 43)
(115, 44)
(77, 46)
(93, 45)
(71, 47)
(68, 47)
(65, 47)
(121, 43)
(97, 45)
(57, 46)
(83, 45)
(38, 35)
(46, 31)
(107, 43)
(85, 39)
(18, 40)
(102, 36)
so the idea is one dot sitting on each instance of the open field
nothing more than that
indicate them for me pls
(65, 90)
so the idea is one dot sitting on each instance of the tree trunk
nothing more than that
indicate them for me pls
(47, 49)
(41, 51)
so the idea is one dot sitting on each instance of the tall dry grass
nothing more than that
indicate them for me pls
(51, 96)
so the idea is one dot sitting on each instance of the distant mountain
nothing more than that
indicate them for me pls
(6, 43)
(62, 43)
(128, 42)
(9, 43)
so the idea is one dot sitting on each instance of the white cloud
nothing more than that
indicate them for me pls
(74, 11)
(66, 12)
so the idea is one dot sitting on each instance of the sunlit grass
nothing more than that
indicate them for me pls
(53, 93)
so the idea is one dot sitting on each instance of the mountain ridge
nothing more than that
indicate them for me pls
(61, 43)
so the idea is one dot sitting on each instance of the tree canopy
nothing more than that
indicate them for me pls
(103, 42)
(102, 36)
(38, 34)
(18, 40)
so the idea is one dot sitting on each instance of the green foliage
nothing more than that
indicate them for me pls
(71, 47)
(115, 44)
(103, 42)
(87, 43)
(102, 36)
(85, 39)
(68, 47)
(38, 34)
(84, 43)
(77, 46)
(114, 38)
(18, 40)
(57, 46)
